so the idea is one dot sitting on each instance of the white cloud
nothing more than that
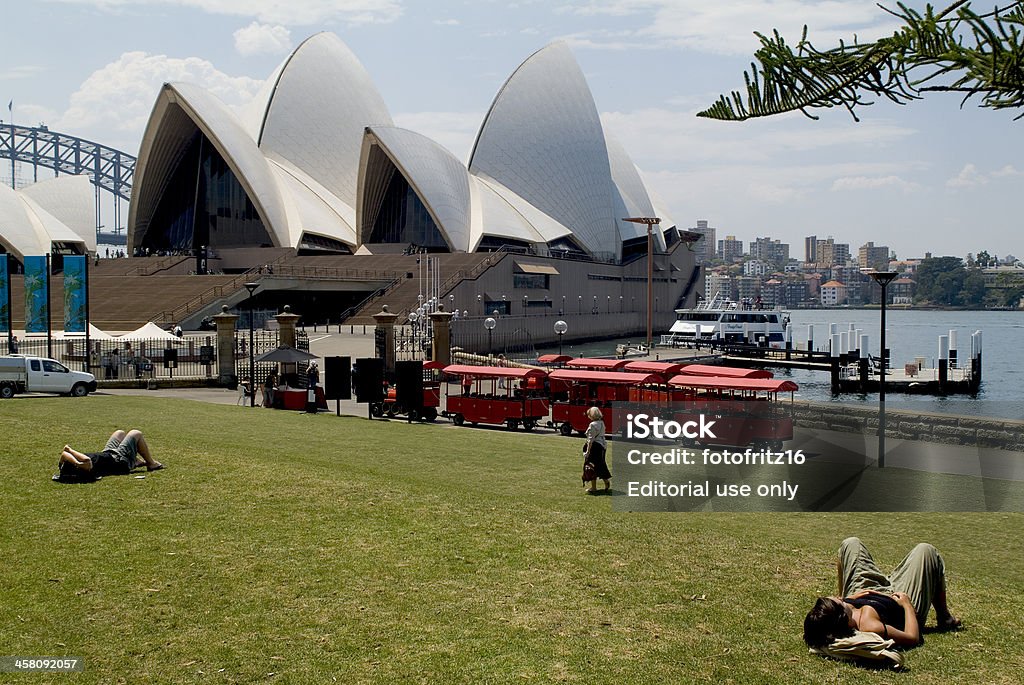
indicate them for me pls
(665, 136)
(20, 72)
(968, 177)
(446, 22)
(117, 99)
(727, 27)
(262, 39)
(1007, 171)
(873, 183)
(292, 13)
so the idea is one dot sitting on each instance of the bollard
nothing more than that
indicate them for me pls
(834, 362)
(943, 362)
(865, 363)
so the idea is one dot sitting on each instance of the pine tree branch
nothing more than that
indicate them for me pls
(979, 55)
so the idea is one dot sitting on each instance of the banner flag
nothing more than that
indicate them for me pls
(74, 294)
(37, 287)
(5, 295)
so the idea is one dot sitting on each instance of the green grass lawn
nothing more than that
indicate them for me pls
(279, 547)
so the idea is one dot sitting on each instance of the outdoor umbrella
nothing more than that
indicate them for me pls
(284, 354)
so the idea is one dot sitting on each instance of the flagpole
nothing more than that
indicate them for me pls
(49, 321)
(85, 359)
(10, 311)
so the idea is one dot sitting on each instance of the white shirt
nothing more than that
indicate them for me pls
(595, 433)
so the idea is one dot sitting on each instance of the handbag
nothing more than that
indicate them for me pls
(589, 472)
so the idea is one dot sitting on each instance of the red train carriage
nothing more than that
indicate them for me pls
(664, 369)
(746, 411)
(556, 360)
(596, 364)
(497, 395)
(431, 395)
(723, 371)
(587, 389)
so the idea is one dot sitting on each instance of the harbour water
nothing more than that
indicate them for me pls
(909, 334)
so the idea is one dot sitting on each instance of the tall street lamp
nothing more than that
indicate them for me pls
(489, 324)
(560, 328)
(650, 222)
(251, 287)
(882, 278)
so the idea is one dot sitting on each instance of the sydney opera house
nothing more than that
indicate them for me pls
(315, 163)
(57, 215)
(314, 169)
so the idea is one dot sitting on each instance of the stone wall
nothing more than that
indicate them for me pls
(977, 431)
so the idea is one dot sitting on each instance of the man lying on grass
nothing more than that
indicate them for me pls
(122, 453)
(894, 607)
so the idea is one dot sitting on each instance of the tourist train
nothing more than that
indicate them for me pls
(743, 402)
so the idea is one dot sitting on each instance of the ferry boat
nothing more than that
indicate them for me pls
(722, 320)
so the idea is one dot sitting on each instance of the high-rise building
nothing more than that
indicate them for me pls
(871, 257)
(811, 249)
(718, 284)
(730, 249)
(705, 249)
(772, 251)
(830, 252)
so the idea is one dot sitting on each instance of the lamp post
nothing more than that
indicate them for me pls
(882, 278)
(480, 301)
(526, 303)
(251, 287)
(489, 324)
(560, 328)
(650, 222)
(422, 319)
(413, 319)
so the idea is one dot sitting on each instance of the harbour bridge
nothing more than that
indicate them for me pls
(111, 171)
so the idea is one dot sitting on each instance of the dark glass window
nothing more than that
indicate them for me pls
(204, 204)
(634, 248)
(403, 218)
(530, 281)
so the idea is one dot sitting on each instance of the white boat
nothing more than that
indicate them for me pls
(628, 349)
(721, 320)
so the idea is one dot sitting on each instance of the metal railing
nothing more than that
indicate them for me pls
(265, 341)
(120, 360)
(205, 299)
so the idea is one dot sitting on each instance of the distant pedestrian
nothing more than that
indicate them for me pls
(15, 345)
(312, 380)
(177, 330)
(594, 464)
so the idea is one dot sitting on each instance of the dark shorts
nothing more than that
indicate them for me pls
(117, 457)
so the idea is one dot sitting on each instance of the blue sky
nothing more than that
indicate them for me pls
(928, 176)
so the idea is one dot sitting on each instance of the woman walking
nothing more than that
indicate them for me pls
(594, 464)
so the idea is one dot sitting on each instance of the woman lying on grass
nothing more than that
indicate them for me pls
(894, 607)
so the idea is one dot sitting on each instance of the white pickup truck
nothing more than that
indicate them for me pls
(35, 374)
